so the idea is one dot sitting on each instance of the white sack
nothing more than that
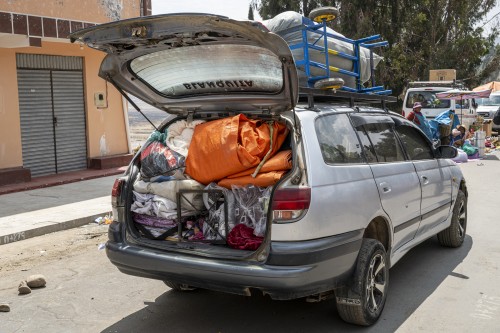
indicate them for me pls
(291, 19)
(179, 135)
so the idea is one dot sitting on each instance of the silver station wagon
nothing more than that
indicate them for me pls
(362, 185)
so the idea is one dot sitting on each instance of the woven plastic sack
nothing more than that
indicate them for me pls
(224, 147)
(291, 19)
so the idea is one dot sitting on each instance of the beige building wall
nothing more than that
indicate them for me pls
(41, 27)
(97, 11)
(10, 130)
(106, 132)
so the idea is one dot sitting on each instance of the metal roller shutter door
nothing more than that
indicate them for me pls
(52, 112)
(37, 130)
(69, 110)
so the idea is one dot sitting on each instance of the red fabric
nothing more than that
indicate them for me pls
(411, 117)
(242, 237)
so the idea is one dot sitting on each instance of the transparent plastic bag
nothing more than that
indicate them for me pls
(157, 159)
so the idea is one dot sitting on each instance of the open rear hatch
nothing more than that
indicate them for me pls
(228, 83)
(199, 63)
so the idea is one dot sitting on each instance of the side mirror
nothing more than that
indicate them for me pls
(446, 152)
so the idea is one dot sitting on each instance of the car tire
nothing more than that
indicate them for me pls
(454, 235)
(330, 83)
(178, 286)
(324, 13)
(362, 302)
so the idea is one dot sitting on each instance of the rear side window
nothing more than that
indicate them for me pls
(371, 157)
(338, 140)
(384, 141)
(415, 144)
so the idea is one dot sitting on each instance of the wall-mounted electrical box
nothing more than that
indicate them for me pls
(100, 100)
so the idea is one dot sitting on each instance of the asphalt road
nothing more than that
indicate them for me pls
(432, 289)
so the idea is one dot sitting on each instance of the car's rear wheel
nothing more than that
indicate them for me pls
(178, 286)
(454, 235)
(363, 301)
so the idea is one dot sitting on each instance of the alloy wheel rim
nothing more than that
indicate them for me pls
(462, 220)
(376, 283)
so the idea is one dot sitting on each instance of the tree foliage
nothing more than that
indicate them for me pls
(250, 13)
(269, 8)
(422, 34)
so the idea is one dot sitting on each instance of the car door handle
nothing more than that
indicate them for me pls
(385, 187)
(425, 180)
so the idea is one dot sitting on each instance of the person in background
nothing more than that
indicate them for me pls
(458, 136)
(418, 118)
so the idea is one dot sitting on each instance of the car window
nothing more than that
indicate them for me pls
(465, 104)
(337, 140)
(427, 98)
(370, 155)
(415, 144)
(492, 101)
(385, 142)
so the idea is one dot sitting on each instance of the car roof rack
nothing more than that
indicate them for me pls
(422, 84)
(320, 95)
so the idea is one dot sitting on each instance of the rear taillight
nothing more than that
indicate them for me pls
(116, 191)
(115, 195)
(117, 188)
(289, 203)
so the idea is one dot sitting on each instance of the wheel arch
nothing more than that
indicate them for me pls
(463, 188)
(378, 229)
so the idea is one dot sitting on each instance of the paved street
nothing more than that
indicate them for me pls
(432, 289)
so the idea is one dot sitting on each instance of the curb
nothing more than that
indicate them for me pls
(22, 235)
(13, 188)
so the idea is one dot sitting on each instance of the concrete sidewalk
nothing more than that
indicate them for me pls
(37, 212)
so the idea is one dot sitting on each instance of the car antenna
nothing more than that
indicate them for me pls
(108, 77)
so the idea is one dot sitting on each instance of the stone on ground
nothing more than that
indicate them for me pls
(23, 288)
(36, 281)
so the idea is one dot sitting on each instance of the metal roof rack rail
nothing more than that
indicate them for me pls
(312, 95)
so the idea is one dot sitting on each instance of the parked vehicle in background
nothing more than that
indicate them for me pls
(487, 107)
(425, 93)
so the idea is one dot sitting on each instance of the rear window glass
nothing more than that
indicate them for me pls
(428, 99)
(337, 140)
(492, 101)
(210, 69)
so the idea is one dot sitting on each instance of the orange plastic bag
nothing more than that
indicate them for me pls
(224, 147)
(262, 180)
(281, 161)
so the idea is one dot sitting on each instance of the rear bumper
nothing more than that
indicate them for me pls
(292, 269)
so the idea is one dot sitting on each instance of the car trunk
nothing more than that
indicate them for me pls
(203, 212)
(207, 188)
